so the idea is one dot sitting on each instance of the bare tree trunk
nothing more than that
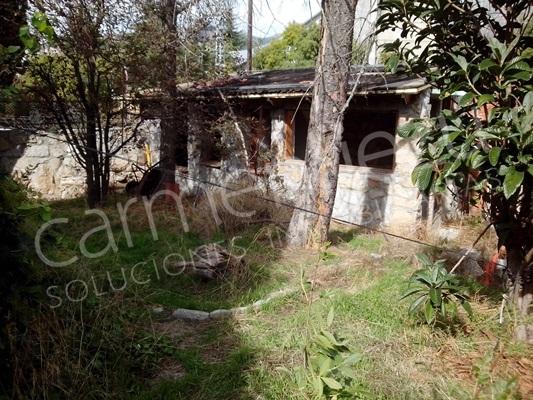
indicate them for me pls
(514, 227)
(521, 265)
(170, 109)
(319, 182)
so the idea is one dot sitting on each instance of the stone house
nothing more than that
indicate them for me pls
(374, 186)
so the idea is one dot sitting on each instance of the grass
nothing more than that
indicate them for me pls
(255, 355)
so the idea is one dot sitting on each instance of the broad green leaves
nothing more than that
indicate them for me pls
(494, 155)
(41, 25)
(484, 99)
(331, 370)
(436, 293)
(392, 63)
(513, 180)
(421, 176)
(482, 146)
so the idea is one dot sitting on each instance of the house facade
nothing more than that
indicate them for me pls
(374, 186)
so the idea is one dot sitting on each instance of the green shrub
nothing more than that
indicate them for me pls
(437, 293)
(330, 366)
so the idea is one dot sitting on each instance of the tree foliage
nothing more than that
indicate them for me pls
(297, 47)
(481, 148)
(79, 81)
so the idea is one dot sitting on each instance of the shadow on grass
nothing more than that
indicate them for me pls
(210, 359)
(339, 235)
(186, 360)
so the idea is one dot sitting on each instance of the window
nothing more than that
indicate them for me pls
(368, 138)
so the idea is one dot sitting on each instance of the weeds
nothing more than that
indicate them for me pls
(437, 293)
(330, 366)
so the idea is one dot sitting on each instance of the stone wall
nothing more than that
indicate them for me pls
(373, 196)
(45, 163)
(365, 195)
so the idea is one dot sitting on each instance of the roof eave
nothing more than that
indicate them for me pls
(406, 91)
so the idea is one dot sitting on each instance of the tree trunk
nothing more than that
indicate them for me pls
(319, 181)
(522, 268)
(514, 227)
(170, 110)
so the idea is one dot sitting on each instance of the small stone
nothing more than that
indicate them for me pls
(376, 256)
(240, 310)
(192, 315)
(220, 314)
(260, 303)
(158, 310)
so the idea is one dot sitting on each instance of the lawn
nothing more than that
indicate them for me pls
(122, 341)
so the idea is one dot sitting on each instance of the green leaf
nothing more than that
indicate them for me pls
(27, 39)
(319, 386)
(477, 160)
(324, 342)
(513, 180)
(429, 313)
(12, 49)
(421, 175)
(435, 296)
(324, 364)
(530, 170)
(456, 164)
(352, 359)
(466, 99)
(486, 64)
(484, 99)
(392, 63)
(522, 76)
(410, 292)
(416, 304)
(39, 21)
(331, 338)
(461, 61)
(503, 170)
(410, 128)
(468, 308)
(494, 155)
(528, 101)
(331, 383)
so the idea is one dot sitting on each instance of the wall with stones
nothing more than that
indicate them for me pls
(46, 165)
(373, 196)
(365, 195)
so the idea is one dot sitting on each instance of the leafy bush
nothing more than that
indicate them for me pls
(330, 364)
(437, 293)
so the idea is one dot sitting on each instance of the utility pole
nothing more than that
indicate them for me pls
(250, 36)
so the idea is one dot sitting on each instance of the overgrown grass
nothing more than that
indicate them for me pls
(118, 347)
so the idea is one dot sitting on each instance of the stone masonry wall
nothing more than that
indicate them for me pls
(46, 165)
(365, 195)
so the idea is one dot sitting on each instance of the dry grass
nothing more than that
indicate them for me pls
(216, 211)
(360, 275)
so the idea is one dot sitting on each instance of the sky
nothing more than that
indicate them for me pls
(272, 16)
